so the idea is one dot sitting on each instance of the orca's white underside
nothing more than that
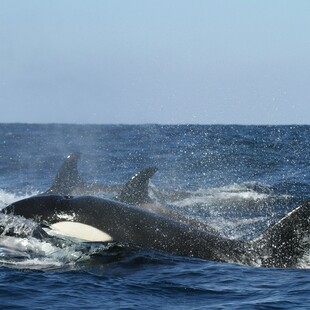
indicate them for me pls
(80, 231)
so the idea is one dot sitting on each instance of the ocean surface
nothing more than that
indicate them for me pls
(238, 180)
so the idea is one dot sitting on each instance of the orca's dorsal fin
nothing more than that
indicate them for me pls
(67, 177)
(287, 240)
(135, 191)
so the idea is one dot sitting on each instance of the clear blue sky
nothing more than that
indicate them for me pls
(155, 61)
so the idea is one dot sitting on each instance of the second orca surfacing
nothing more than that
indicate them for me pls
(102, 220)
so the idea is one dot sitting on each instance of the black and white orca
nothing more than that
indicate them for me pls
(102, 220)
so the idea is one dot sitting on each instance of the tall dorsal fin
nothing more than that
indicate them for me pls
(67, 177)
(135, 191)
(287, 240)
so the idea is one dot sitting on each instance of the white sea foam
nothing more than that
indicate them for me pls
(37, 254)
(7, 197)
(224, 194)
(238, 192)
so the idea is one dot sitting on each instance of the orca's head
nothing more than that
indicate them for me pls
(40, 208)
(62, 214)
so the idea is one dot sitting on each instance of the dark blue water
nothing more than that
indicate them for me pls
(241, 179)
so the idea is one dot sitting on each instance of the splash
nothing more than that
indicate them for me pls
(31, 253)
(20, 249)
(7, 198)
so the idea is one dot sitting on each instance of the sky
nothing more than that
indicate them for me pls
(155, 61)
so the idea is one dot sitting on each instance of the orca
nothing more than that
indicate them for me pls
(98, 219)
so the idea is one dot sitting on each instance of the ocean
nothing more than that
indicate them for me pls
(238, 180)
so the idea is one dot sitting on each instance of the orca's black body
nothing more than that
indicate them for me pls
(280, 246)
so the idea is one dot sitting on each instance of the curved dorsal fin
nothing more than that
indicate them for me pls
(135, 191)
(67, 177)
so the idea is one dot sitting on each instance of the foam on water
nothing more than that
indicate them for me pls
(234, 192)
(7, 198)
